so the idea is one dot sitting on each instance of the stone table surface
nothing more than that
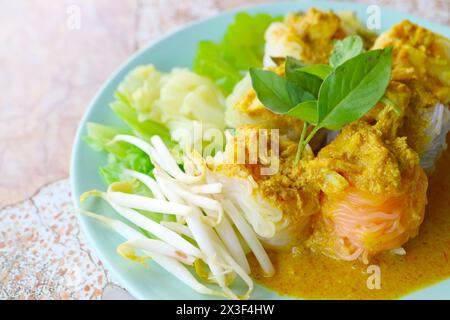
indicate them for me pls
(54, 55)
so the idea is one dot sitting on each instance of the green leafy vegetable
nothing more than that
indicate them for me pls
(98, 138)
(302, 142)
(246, 34)
(319, 70)
(144, 129)
(209, 62)
(134, 159)
(138, 102)
(120, 155)
(292, 65)
(306, 111)
(350, 91)
(241, 48)
(307, 81)
(346, 49)
(277, 93)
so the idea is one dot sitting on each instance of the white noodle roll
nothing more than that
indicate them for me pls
(265, 219)
(438, 126)
(249, 236)
(282, 236)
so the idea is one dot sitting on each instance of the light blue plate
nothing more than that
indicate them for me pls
(177, 50)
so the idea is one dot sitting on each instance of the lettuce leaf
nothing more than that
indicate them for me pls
(98, 138)
(135, 159)
(241, 48)
(120, 155)
(144, 129)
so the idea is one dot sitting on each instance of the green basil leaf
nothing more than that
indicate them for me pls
(306, 111)
(277, 93)
(271, 90)
(306, 81)
(353, 88)
(298, 94)
(319, 70)
(346, 49)
(292, 65)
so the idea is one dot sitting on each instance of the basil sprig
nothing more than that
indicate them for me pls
(327, 96)
(299, 74)
(353, 88)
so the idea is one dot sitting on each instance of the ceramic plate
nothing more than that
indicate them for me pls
(154, 282)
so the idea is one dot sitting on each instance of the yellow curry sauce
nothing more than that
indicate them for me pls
(302, 273)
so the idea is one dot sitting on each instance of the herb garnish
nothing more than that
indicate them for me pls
(276, 93)
(327, 96)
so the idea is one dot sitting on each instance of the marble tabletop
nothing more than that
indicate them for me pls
(53, 58)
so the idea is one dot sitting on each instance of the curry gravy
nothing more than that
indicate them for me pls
(302, 273)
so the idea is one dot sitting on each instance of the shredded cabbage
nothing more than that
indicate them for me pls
(164, 97)
(152, 103)
(140, 89)
(186, 95)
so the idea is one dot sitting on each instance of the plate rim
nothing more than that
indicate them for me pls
(77, 140)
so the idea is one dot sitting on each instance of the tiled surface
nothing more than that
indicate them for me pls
(51, 66)
(44, 255)
(42, 252)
